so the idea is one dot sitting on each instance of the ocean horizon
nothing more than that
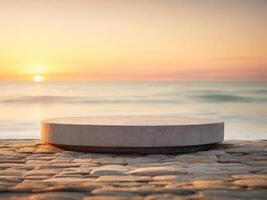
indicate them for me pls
(241, 105)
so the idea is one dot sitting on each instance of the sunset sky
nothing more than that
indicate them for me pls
(133, 39)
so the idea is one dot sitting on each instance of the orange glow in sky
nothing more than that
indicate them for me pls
(133, 40)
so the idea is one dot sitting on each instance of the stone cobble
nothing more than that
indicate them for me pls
(236, 169)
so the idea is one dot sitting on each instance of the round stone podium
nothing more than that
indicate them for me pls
(132, 134)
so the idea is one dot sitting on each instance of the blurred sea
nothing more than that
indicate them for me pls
(242, 105)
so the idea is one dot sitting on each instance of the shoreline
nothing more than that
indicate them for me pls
(235, 169)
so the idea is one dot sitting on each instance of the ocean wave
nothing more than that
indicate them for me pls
(37, 99)
(262, 91)
(225, 98)
(163, 99)
(43, 99)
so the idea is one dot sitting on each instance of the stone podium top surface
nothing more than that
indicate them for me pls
(131, 120)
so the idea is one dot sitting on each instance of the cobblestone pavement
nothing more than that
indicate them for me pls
(31, 170)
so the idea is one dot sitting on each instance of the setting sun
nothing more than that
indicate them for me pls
(37, 78)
